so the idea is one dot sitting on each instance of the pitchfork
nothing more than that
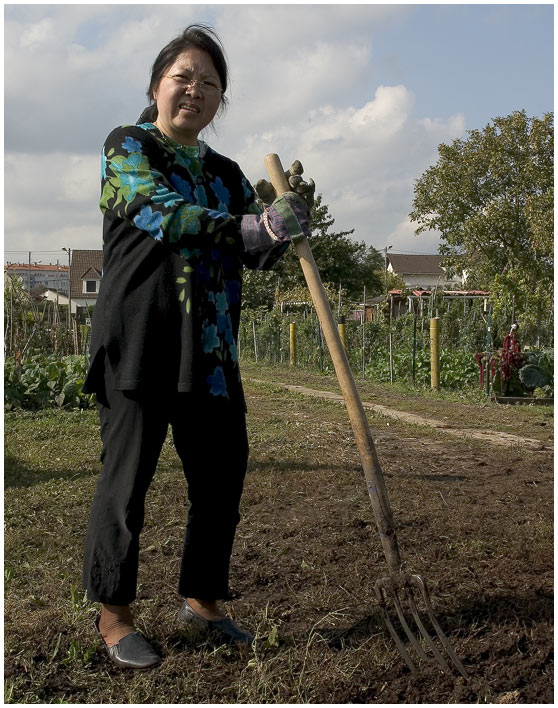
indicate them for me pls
(398, 586)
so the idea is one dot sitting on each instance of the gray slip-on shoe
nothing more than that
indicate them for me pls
(132, 652)
(226, 628)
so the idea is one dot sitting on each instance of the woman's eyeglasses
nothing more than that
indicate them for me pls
(204, 86)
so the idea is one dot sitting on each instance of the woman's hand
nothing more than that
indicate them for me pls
(266, 192)
(260, 231)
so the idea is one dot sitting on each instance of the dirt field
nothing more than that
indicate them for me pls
(474, 518)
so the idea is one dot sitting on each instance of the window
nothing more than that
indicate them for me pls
(90, 286)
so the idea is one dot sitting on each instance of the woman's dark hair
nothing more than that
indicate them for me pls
(197, 36)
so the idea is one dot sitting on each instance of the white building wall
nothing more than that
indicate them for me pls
(427, 281)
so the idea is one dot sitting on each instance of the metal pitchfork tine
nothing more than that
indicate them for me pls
(405, 583)
(397, 583)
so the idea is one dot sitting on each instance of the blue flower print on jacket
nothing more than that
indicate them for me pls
(164, 196)
(222, 193)
(131, 145)
(185, 221)
(217, 383)
(129, 176)
(221, 302)
(210, 339)
(222, 322)
(201, 196)
(192, 164)
(224, 326)
(150, 221)
(182, 186)
(218, 214)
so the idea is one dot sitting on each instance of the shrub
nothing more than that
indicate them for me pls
(46, 382)
(537, 371)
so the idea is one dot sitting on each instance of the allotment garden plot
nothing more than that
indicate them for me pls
(473, 517)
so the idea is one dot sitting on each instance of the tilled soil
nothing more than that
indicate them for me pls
(473, 519)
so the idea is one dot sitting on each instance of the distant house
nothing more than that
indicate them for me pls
(37, 275)
(85, 279)
(51, 294)
(422, 271)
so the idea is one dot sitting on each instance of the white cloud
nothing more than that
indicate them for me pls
(37, 35)
(51, 201)
(80, 178)
(364, 160)
(302, 86)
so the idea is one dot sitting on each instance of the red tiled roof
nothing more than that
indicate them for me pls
(35, 266)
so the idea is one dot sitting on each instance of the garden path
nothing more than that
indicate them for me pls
(489, 436)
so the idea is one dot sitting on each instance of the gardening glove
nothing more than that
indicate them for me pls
(266, 191)
(261, 231)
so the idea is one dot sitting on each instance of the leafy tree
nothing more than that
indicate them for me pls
(491, 197)
(395, 281)
(259, 288)
(339, 259)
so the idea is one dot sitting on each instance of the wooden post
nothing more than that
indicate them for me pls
(488, 310)
(414, 346)
(363, 328)
(320, 345)
(434, 354)
(255, 341)
(390, 339)
(341, 328)
(69, 285)
(292, 343)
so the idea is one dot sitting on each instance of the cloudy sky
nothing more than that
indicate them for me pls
(362, 94)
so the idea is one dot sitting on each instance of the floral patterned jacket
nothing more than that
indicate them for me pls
(168, 310)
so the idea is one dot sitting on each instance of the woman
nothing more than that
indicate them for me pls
(180, 222)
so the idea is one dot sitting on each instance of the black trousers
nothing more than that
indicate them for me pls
(211, 441)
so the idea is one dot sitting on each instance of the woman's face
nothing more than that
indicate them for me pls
(186, 110)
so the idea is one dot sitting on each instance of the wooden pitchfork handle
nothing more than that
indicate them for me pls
(370, 464)
(398, 582)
